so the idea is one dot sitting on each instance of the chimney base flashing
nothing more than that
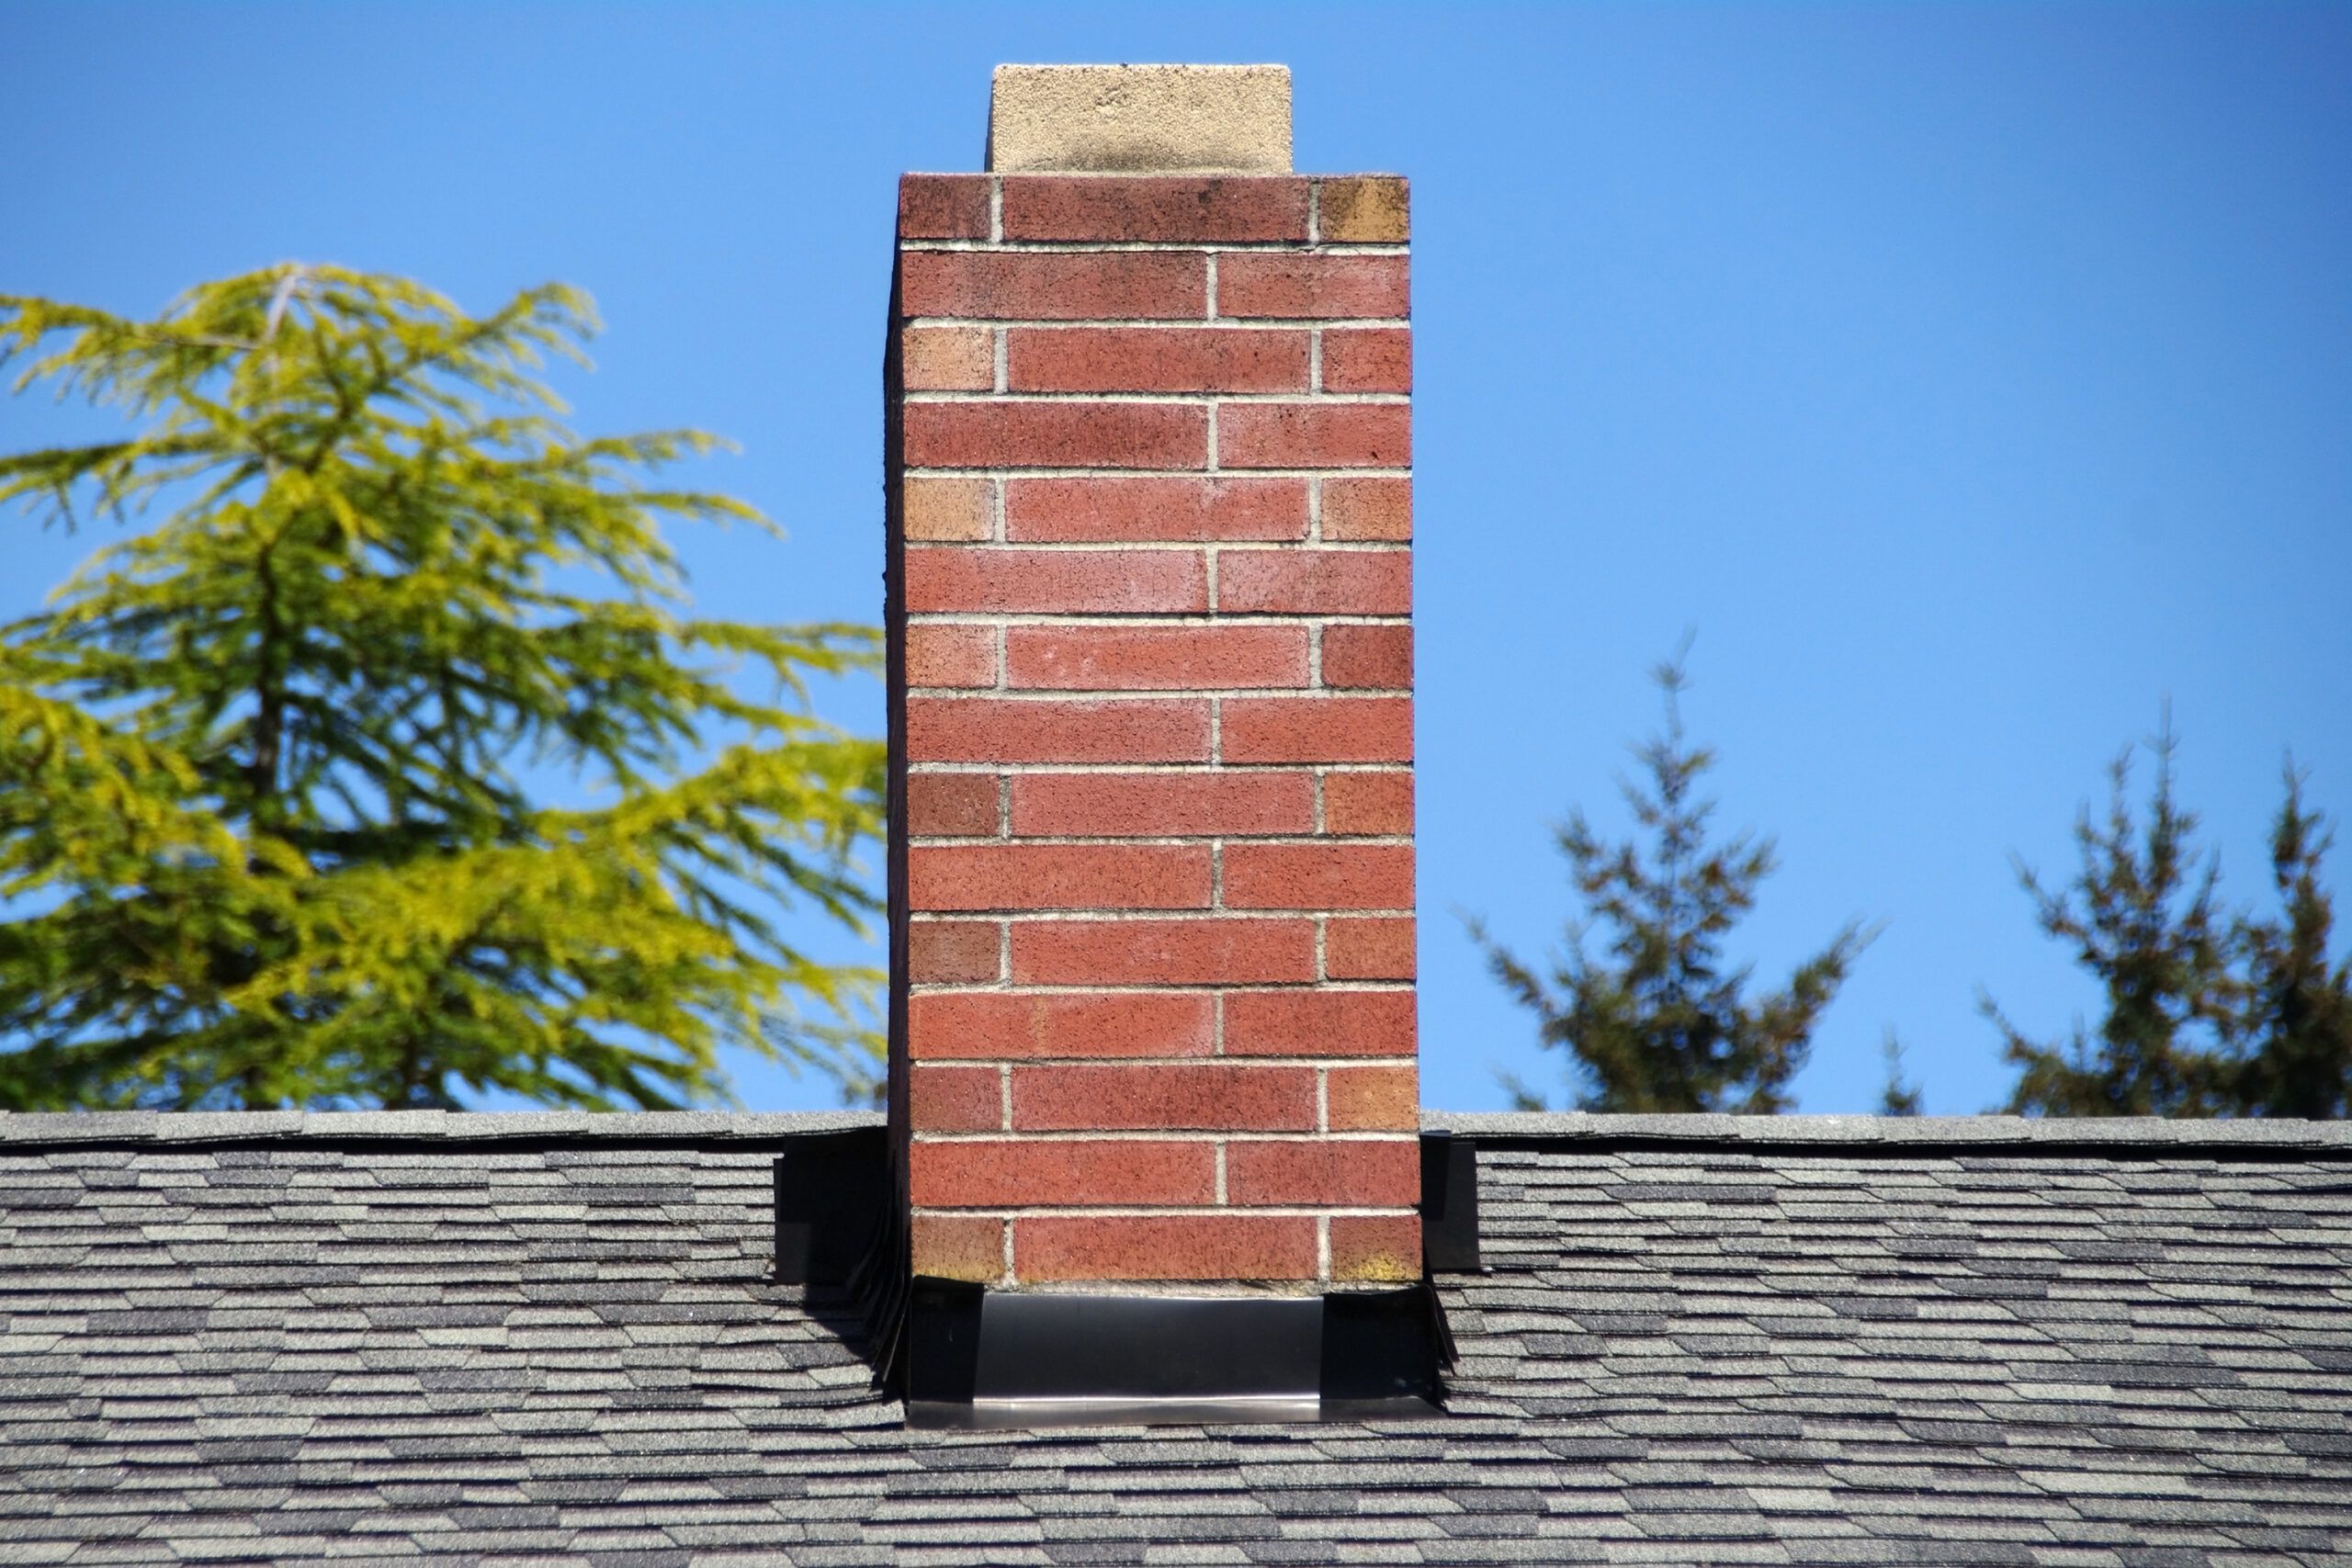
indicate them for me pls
(1007, 1358)
(1037, 1415)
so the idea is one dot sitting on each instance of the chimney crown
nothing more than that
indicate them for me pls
(1134, 119)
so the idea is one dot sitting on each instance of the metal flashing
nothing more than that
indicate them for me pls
(983, 1359)
(832, 1192)
(1450, 1203)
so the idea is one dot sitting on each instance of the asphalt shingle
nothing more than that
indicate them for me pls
(453, 1339)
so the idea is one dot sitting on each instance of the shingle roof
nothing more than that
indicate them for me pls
(303, 1339)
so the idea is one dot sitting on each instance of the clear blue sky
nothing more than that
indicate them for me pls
(1972, 379)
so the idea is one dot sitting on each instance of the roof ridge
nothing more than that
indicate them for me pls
(1987, 1135)
(49, 1128)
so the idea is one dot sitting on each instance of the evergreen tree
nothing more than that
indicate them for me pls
(2298, 1011)
(2141, 916)
(1655, 1022)
(276, 825)
(1901, 1097)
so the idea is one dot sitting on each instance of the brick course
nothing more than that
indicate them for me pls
(1149, 595)
(1066, 511)
(1152, 359)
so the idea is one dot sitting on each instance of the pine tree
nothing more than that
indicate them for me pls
(2141, 916)
(1901, 1097)
(392, 764)
(1657, 1023)
(2298, 1011)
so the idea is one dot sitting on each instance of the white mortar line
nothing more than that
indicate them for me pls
(1098, 471)
(1173, 840)
(1307, 249)
(1188, 323)
(1188, 397)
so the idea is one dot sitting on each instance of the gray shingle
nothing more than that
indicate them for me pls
(1702, 1340)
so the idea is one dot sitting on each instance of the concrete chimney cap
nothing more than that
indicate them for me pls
(1230, 119)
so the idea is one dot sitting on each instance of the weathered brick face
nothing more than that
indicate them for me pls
(1150, 590)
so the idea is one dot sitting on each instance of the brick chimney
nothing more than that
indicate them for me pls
(1151, 665)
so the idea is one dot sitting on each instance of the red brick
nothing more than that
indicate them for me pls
(943, 207)
(1347, 1172)
(1368, 803)
(1363, 210)
(1371, 1100)
(1308, 877)
(1375, 1246)
(1314, 582)
(1161, 952)
(947, 359)
(1055, 286)
(993, 729)
(1305, 435)
(1155, 360)
(1314, 729)
(977, 435)
(1153, 208)
(1367, 508)
(1368, 359)
(1145, 659)
(1286, 284)
(1065, 582)
(948, 509)
(1063, 876)
(1173, 1247)
(952, 806)
(1007, 1024)
(1029, 1172)
(959, 1247)
(1317, 1023)
(1369, 656)
(1368, 949)
(1130, 1097)
(955, 1100)
(1078, 510)
(951, 656)
(1128, 804)
(955, 952)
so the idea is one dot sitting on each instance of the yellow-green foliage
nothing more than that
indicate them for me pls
(269, 834)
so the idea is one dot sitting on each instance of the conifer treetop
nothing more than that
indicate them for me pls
(392, 764)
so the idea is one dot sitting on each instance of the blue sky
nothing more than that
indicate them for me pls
(1972, 379)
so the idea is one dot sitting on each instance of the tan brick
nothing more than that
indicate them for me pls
(939, 510)
(1363, 210)
(1371, 1100)
(959, 1247)
(1375, 1246)
(947, 359)
(1179, 1246)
